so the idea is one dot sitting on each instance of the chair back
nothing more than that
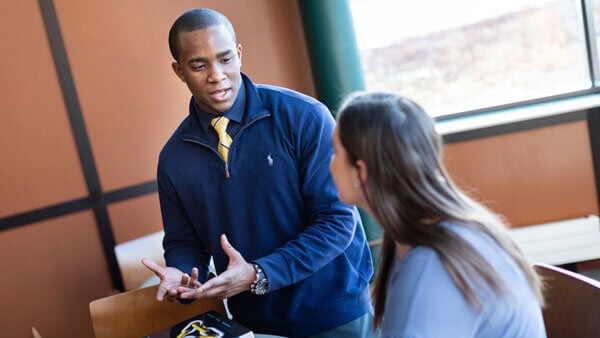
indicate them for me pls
(130, 253)
(572, 303)
(137, 313)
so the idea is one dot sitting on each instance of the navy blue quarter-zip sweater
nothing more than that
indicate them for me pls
(278, 207)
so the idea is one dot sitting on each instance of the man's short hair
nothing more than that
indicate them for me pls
(193, 20)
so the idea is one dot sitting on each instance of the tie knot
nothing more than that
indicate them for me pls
(220, 124)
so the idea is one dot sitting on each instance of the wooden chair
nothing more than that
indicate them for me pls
(137, 313)
(572, 303)
(129, 256)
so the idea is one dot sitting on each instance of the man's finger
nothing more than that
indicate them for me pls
(218, 291)
(214, 283)
(186, 293)
(185, 290)
(195, 274)
(228, 248)
(172, 295)
(185, 279)
(150, 264)
(160, 294)
(207, 285)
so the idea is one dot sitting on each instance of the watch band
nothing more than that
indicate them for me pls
(260, 285)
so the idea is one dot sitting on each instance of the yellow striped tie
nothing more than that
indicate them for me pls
(220, 125)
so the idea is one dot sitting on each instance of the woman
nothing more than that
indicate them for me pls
(448, 267)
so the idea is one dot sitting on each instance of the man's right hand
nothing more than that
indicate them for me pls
(170, 279)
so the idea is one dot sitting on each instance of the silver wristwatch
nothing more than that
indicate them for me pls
(260, 285)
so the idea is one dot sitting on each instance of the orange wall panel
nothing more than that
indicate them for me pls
(130, 99)
(535, 176)
(40, 166)
(136, 217)
(50, 272)
(274, 47)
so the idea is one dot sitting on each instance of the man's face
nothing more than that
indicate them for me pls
(209, 64)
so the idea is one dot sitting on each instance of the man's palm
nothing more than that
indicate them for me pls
(170, 278)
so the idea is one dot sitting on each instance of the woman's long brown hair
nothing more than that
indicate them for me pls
(408, 187)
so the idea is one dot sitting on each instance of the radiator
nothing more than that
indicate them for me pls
(568, 241)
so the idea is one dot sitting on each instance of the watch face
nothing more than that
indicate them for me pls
(261, 287)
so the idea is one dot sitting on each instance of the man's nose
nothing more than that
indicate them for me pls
(216, 74)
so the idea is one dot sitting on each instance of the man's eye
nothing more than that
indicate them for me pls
(198, 67)
(225, 60)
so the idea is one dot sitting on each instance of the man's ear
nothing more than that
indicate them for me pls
(362, 171)
(177, 69)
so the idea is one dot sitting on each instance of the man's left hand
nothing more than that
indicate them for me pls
(236, 279)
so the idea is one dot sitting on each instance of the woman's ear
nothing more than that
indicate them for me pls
(362, 171)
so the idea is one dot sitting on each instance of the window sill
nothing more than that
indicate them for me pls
(514, 119)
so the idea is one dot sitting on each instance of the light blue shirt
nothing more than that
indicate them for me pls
(423, 300)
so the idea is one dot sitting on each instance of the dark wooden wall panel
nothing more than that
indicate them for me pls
(534, 176)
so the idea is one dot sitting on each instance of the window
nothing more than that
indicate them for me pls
(466, 55)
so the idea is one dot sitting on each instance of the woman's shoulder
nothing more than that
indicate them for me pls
(421, 294)
(421, 274)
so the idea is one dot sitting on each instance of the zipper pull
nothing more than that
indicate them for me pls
(227, 170)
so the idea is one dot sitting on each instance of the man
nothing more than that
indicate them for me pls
(291, 258)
